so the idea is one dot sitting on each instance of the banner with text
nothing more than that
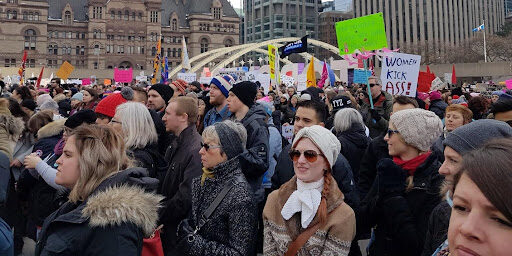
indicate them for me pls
(399, 74)
(123, 76)
(272, 60)
(187, 77)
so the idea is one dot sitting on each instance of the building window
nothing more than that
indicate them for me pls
(82, 50)
(216, 13)
(52, 63)
(25, 16)
(97, 12)
(77, 50)
(67, 17)
(126, 15)
(112, 15)
(119, 15)
(168, 54)
(12, 15)
(10, 62)
(95, 65)
(228, 43)
(174, 24)
(179, 52)
(30, 39)
(153, 17)
(174, 52)
(133, 16)
(140, 16)
(120, 49)
(204, 45)
(31, 63)
(153, 51)
(96, 34)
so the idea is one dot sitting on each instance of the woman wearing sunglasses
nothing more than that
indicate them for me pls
(223, 219)
(406, 188)
(307, 215)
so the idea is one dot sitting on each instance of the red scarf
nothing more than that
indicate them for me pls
(411, 165)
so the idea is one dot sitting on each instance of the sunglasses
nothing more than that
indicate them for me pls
(391, 132)
(310, 155)
(207, 147)
(372, 85)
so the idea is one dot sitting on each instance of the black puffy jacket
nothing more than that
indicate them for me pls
(400, 219)
(376, 150)
(438, 107)
(112, 220)
(353, 145)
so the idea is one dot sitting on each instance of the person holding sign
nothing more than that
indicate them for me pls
(376, 118)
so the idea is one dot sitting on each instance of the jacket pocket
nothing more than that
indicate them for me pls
(55, 246)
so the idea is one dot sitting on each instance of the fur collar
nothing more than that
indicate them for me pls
(121, 204)
(51, 129)
(10, 130)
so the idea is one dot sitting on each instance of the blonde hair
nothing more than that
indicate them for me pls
(138, 126)
(101, 153)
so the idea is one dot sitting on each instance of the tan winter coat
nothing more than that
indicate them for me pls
(334, 238)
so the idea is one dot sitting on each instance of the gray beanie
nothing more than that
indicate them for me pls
(232, 137)
(420, 128)
(476, 134)
(328, 144)
(50, 104)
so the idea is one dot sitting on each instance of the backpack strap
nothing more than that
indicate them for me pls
(295, 246)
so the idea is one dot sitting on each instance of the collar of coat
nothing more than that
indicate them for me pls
(334, 199)
(51, 129)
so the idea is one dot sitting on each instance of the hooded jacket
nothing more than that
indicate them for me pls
(353, 145)
(333, 238)
(254, 160)
(113, 220)
(438, 107)
(384, 106)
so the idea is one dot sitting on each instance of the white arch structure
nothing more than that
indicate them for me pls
(240, 50)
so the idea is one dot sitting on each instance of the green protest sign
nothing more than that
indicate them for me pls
(366, 33)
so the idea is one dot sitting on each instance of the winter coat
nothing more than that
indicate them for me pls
(184, 165)
(384, 106)
(353, 145)
(10, 130)
(333, 238)
(400, 219)
(163, 137)
(112, 220)
(232, 227)
(438, 107)
(23, 148)
(376, 150)
(288, 115)
(341, 172)
(275, 147)
(254, 160)
(437, 231)
(150, 159)
(438, 148)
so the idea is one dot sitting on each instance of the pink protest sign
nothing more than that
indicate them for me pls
(123, 76)
(86, 81)
(509, 84)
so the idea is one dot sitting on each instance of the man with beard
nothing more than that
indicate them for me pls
(158, 97)
(219, 92)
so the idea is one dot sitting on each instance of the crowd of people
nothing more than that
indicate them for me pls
(203, 169)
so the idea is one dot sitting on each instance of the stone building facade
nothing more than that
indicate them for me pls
(104, 34)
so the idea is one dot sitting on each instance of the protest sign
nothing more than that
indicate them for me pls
(366, 33)
(65, 70)
(187, 77)
(302, 82)
(437, 84)
(448, 77)
(288, 132)
(272, 60)
(508, 83)
(141, 78)
(107, 81)
(251, 76)
(86, 81)
(123, 76)
(264, 80)
(287, 80)
(361, 77)
(205, 80)
(425, 81)
(400, 73)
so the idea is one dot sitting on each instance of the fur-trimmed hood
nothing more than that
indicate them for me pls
(121, 204)
(10, 130)
(51, 129)
(125, 197)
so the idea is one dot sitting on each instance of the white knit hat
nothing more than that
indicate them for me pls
(420, 128)
(328, 144)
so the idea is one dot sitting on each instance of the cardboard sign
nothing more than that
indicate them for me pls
(288, 132)
(188, 77)
(86, 81)
(287, 80)
(107, 82)
(508, 83)
(251, 76)
(141, 78)
(272, 60)
(437, 84)
(65, 70)
(302, 82)
(123, 76)
(205, 80)
(264, 80)
(366, 33)
(448, 77)
(400, 73)
(361, 77)
(425, 81)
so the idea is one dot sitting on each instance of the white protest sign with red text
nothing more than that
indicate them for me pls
(400, 74)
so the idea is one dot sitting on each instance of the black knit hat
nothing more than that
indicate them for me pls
(165, 91)
(30, 104)
(246, 92)
(341, 102)
(83, 116)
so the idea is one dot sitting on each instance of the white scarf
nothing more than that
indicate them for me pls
(306, 199)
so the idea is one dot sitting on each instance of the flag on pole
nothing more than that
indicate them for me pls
(39, 78)
(324, 77)
(185, 61)
(311, 78)
(165, 71)
(454, 77)
(479, 28)
(428, 69)
(156, 61)
(21, 71)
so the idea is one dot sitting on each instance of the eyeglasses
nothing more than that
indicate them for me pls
(372, 85)
(310, 155)
(391, 132)
(115, 121)
(208, 147)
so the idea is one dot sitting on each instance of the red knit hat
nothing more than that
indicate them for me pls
(181, 85)
(108, 105)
